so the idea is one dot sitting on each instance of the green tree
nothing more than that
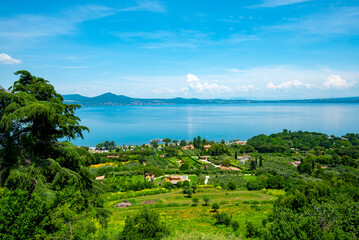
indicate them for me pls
(183, 143)
(260, 161)
(226, 162)
(215, 207)
(166, 141)
(184, 166)
(253, 165)
(206, 200)
(153, 170)
(194, 187)
(232, 185)
(33, 117)
(146, 224)
(188, 191)
(154, 144)
(195, 201)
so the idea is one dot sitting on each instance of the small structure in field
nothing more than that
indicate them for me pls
(174, 179)
(241, 142)
(206, 146)
(100, 178)
(243, 159)
(295, 163)
(149, 176)
(123, 204)
(189, 147)
(230, 168)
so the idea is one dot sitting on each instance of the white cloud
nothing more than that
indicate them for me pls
(289, 84)
(193, 84)
(245, 88)
(6, 59)
(335, 81)
(277, 3)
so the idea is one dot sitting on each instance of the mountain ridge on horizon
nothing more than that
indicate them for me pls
(111, 99)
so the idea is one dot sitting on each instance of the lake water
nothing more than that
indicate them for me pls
(139, 124)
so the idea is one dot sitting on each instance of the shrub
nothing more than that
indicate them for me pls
(206, 200)
(215, 207)
(223, 218)
(144, 225)
(188, 191)
(195, 201)
(232, 185)
(168, 185)
(235, 225)
(252, 230)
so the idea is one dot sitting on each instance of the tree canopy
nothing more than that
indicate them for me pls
(33, 120)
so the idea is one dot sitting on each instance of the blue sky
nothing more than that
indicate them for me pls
(273, 49)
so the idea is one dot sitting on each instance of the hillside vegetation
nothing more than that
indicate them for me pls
(288, 185)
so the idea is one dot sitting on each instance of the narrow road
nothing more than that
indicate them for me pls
(206, 181)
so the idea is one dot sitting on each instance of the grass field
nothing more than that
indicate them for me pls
(179, 214)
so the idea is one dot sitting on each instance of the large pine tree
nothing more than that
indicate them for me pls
(37, 169)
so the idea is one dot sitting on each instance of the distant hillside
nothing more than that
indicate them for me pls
(110, 99)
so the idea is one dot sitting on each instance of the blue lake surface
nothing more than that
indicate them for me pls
(139, 124)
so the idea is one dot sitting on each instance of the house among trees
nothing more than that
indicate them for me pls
(149, 176)
(189, 147)
(206, 146)
(100, 178)
(176, 178)
(295, 163)
(243, 159)
(241, 142)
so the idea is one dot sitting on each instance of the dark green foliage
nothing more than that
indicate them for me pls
(154, 144)
(188, 191)
(186, 183)
(23, 217)
(153, 170)
(206, 200)
(217, 149)
(195, 201)
(253, 165)
(215, 207)
(108, 145)
(194, 187)
(235, 225)
(183, 143)
(260, 161)
(184, 166)
(252, 230)
(168, 185)
(223, 218)
(58, 189)
(166, 141)
(232, 185)
(144, 225)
